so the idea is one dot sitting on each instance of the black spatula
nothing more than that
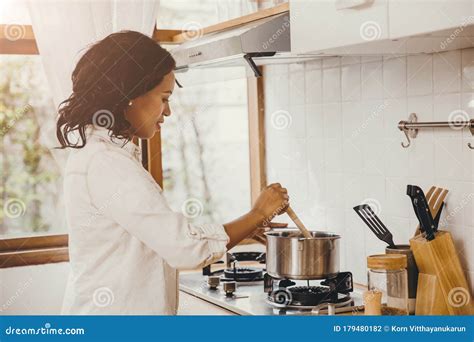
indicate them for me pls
(367, 215)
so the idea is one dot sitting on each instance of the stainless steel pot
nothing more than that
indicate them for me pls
(290, 255)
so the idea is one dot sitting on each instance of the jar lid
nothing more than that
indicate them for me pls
(387, 261)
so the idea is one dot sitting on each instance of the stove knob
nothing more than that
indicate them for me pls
(229, 288)
(213, 282)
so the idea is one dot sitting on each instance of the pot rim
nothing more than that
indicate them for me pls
(328, 235)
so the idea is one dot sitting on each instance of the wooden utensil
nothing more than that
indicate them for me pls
(298, 223)
(373, 303)
(436, 197)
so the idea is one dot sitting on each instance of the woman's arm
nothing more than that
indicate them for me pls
(271, 202)
(120, 191)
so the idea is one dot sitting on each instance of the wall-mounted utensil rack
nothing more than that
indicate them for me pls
(411, 126)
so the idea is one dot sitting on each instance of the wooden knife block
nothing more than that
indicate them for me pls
(442, 285)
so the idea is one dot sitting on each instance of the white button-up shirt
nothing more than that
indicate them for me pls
(125, 243)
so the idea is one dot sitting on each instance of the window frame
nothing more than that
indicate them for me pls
(46, 249)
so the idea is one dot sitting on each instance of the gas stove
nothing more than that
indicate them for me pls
(240, 284)
(328, 296)
(234, 272)
(249, 298)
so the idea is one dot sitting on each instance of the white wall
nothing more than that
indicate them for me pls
(332, 139)
(33, 290)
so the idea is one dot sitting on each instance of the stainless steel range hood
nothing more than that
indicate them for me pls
(264, 41)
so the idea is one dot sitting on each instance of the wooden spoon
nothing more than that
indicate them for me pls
(298, 223)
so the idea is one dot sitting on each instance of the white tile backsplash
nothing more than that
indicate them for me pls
(332, 119)
(331, 62)
(447, 72)
(313, 83)
(419, 75)
(467, 60)
(372, 83)
(343, 145)
(332, 84)
(395, 77)
(314, 121)
(350, 82)
(297, 89)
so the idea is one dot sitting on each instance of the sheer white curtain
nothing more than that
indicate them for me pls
(64, 28)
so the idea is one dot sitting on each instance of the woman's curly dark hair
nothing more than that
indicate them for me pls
(113, 71)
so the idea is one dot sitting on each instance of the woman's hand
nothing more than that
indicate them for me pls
(272, 201)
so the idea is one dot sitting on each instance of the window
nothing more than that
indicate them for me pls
(30, 183)
(205, 142)
(205, 146)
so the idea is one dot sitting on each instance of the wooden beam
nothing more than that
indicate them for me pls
(34, 257)
(15, 32)
(256, 118)
(20, 47)
(33, 243)
(17, 40)
(165, 36)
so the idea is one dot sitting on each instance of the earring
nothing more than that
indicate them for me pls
(129, 103)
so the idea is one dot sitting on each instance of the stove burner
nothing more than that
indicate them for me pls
(245, 256)
(311, 295)
(343, 300)
(287, 294)
(232, 258)
(243, 274)
(308, 290)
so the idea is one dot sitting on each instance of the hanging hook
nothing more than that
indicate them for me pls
(471, 146)
(406, 145)
(409, 132)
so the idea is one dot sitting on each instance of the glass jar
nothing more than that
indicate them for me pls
(387, 275)
(412, 273)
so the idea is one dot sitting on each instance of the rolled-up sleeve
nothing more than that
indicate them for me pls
(120, 189)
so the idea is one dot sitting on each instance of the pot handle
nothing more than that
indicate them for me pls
(301, 244)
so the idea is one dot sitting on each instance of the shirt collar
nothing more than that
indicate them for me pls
(102, 134)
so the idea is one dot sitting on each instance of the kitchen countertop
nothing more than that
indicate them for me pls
(249, 298)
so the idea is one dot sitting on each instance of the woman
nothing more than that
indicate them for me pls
(125, 243)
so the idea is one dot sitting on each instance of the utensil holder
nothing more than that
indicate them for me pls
(442, 285)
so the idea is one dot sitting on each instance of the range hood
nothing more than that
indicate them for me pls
(260, 42)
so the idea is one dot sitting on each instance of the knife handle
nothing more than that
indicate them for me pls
(422, 211)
